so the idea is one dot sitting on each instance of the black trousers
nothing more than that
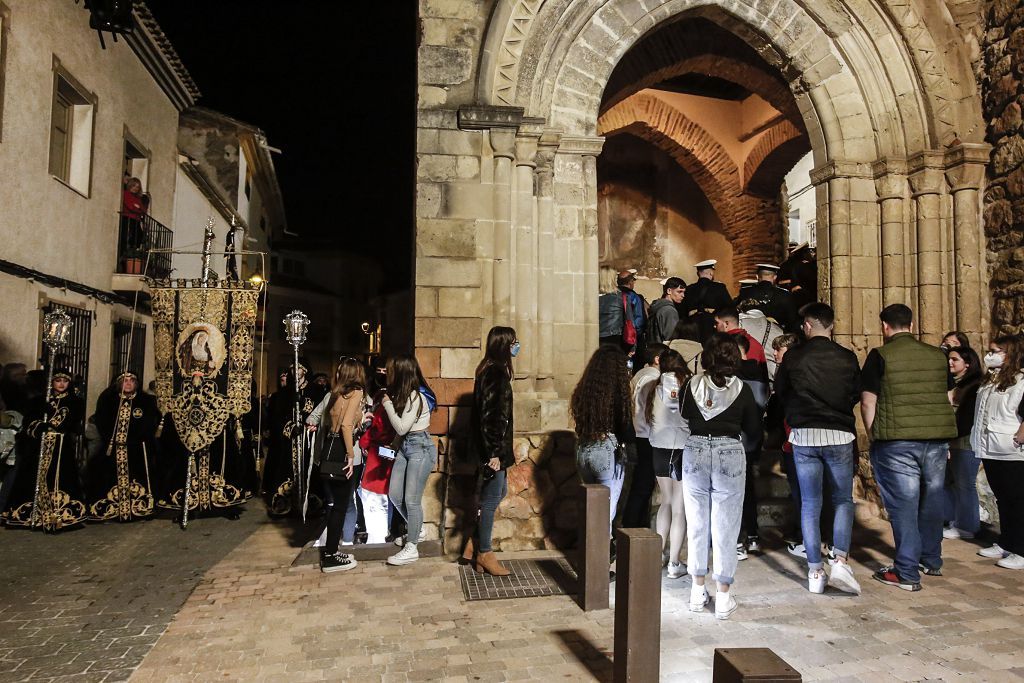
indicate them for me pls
(1006, 477)
(748, 521)
(637, 511)
(340, 490)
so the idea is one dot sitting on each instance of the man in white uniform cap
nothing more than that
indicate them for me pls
(704, 297)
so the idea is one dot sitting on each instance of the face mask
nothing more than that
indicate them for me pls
(994, 359)
(515, 349)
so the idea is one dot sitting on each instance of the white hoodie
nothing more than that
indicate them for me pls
(668, 428)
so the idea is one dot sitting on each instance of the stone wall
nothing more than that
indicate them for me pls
(1003, 97)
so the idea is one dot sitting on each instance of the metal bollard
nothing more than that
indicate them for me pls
(595, 504)
(637, 606)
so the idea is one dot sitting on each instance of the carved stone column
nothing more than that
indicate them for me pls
(891, 186)
(965, 173)
(926, 181)
(524, 296)
(546, 290)
(503, 142)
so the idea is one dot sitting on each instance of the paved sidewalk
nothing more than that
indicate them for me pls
(254, 617)
(86, 605)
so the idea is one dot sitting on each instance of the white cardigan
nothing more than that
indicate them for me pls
(668, 428)
(996, 421)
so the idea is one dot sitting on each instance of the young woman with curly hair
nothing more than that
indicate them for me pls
(719, 409)
(603, 417)
(998, 438)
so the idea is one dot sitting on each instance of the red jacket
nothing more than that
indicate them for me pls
(756, 350)
(377, 470)
(132, 205)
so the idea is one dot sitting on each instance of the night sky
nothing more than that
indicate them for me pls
(333, 85)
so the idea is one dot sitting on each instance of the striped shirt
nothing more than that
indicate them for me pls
(812, 437)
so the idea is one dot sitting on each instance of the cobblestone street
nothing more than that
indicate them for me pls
(87, 605)
(202, 605)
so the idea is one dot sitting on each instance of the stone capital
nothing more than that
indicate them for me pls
(890, 178)
(584, 145)
(834, 169)
(927, 171)
(965, 166)
(503, 142)
(480, 117)
(526, 149)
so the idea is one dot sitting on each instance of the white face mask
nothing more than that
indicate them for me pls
(994, 359)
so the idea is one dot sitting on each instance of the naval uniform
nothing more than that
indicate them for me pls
(702, 298)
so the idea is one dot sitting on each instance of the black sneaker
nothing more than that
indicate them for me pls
(889, 577)
(753, 544)
(338, 562)
(929, 571)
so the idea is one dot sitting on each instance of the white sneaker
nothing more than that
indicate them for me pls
(741, 552)
(406, 555)
(796, 549)
(954, 533)
(676, 569)
(843, 579)
(698, 598)
(725, 605)
(816, 579)
(993, 552)
(400, 540)
(1011, 561)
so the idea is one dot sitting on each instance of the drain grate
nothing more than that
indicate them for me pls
(528, 579)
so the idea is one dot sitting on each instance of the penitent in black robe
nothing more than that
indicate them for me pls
(121, 476)
(286, 454)
(52, 432)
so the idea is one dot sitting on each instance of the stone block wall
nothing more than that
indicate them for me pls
(1002, 85)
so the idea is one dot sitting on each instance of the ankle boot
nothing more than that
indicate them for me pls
(468, 553)
(488, 562)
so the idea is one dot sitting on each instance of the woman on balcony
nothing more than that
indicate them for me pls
(134, 206)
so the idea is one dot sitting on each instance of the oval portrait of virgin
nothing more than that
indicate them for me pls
(201, 350)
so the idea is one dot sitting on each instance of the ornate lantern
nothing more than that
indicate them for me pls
(296, 325)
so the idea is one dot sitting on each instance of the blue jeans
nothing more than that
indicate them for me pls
(714, 472)
(815, 465)
(413, 465)
(910, 476)
(491, 494)
(961, 506)
(597, 464)
(348, 529)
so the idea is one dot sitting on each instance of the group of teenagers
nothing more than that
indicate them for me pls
(931, 414)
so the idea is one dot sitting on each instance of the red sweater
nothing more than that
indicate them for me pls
(132, 206)
(756, 350)
(377, 471)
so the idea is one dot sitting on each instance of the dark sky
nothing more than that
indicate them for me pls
(333, 86)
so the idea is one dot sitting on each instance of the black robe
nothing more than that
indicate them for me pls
(52, 430)
(284, 455)
(122, 475)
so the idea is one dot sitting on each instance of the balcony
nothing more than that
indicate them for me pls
(143, 249)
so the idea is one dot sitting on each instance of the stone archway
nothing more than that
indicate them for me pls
(511, 95)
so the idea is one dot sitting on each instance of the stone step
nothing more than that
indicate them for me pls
(775, 512)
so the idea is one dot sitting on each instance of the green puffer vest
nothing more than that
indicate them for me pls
(913, 405)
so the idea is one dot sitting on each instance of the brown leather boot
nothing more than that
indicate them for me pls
(488, 562)
(468, 553)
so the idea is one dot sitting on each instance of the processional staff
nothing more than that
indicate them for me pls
(204, 283)
(296, 325)
(57, 328)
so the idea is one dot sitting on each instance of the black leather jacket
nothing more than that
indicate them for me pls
(819, 385)
(492, 416)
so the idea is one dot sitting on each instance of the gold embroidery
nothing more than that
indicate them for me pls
(199, 414)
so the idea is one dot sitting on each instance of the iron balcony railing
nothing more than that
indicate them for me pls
(137, 236)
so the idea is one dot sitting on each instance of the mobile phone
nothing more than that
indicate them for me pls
(386, 453)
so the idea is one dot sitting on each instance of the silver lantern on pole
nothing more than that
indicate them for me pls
(56, 334)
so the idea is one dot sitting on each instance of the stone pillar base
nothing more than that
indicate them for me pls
(539, 413)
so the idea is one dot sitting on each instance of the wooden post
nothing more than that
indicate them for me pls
(738, 664)
(637, 606)
(593, 570)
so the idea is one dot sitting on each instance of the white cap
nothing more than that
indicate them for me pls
(767, 266)
(710, 263)
(632, 270)
(748, 281)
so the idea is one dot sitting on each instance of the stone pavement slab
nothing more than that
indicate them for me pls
(254, 617)
(87, 604)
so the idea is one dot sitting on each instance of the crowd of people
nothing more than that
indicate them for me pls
(692, 408)
(685, 391)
